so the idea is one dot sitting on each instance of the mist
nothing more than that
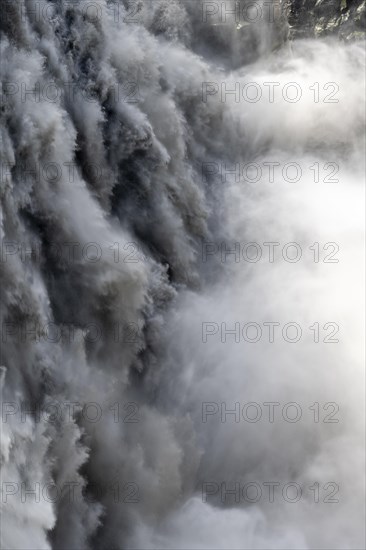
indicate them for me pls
(182, 279)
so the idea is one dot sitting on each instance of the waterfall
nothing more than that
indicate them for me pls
(182, 260)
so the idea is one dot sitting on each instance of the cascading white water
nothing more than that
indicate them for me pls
(144, 319)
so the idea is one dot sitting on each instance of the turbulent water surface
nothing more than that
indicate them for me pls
(182, 276)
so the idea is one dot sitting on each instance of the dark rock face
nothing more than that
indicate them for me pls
(319, 18)
(239, 32)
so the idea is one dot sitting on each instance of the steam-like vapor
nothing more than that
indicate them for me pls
(116, 132)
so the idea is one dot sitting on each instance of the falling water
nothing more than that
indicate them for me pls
(182, 277)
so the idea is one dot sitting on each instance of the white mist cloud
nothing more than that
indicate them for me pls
(151, 192)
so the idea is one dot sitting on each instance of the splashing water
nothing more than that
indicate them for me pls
(182, 280)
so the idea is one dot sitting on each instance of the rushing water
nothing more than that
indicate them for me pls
(183, 236)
